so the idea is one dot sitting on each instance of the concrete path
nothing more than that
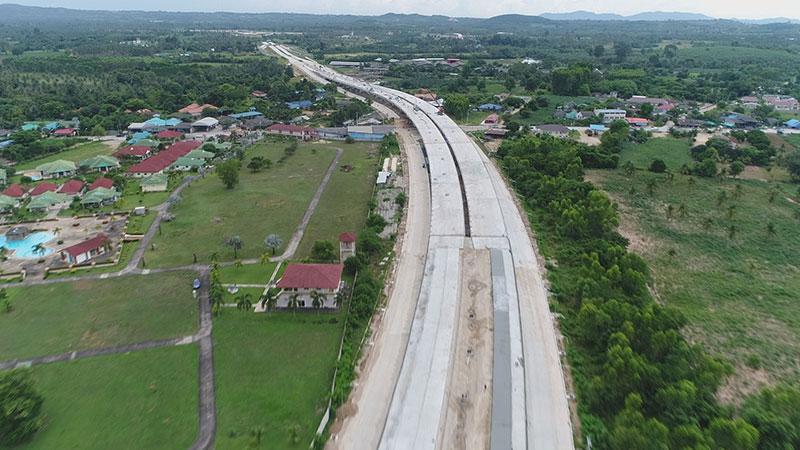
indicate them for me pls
(207, 411)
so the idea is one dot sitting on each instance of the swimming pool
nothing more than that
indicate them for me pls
(24, 248)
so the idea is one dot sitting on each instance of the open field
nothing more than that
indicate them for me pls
(76, 154)
(273, 372)
(793, 139)
(63, 317)
(674, 152)
(144, 399)
(248, 273)
(544, 115)
(270, 201)
(739, 293)
(345, 203)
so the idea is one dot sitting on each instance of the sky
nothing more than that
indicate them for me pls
(460, 8)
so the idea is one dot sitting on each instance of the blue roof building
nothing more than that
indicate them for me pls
(52, 126)
(793, 123)
(299, 104)
(157, 121)
(246, 115)
(5, 144)
(597, 128)
(490, 107)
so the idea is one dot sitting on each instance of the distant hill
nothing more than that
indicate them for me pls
(657, 16)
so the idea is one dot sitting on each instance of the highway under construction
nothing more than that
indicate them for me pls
(466, 355)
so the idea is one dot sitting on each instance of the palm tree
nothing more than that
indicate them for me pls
(273, 242)
(213, 256)
(773, 194)
(238, 262)
(216, 296)
(731, 231)
(670, 210)
(731, 211)
(38, 249)
(317, 300)
(771, 229)
(723, 174)
(721, 197)
(269, 299)
(264, 258)
(244, 302)
(738, 191)
(293, 304)
(236, 243)
(56, 230)
(650, 187)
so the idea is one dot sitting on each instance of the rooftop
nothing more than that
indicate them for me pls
(86, 246)
(311, 276)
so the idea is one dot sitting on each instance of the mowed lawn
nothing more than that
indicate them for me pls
(740, 294)
(345, 203)
(76, 154)
(272, 372)
(269, 201)
(247, 274)
(144, 399)
(63, 317)
(674, 152)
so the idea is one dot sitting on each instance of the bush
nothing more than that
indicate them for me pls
(376, 222)
(658, 166)
(323, 251)
(20, 406)
(707, 168)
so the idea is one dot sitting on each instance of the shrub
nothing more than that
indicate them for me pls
(658, 166)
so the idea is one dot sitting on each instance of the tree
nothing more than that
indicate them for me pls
(793, 164)
(658, 166)
(97, 130)
(293, 304)
(773, 194)
(238, 262)
(228, 172)
(670, 210)
(213, 256)
(731, 212)
(264, 259)
(650, 187)
(736, 168)
(20, 406)
(323, 251)
(269, 299)
(257, 163)
(738, 191)
(731, 231)
(721, 197)
(244, 302)
(317, 300)
(273, 242)
(598, 51)
(622, 50)
(629, 168)
(38, 249)
(457, 105)
(216, 295)
(730, 435)
(771, 229)
(707, 223)
(682, 211)
(236, 243)
(707, 168)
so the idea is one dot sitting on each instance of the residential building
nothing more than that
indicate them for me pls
(7, 202)
(134, 151)
(48, 200)
(15, 191)
(641, 99)
(163, 159)
(195, 110)
(86, 250)
(347, 246)
(793, 123)
(200, 154)
(491, 119)
(610, 115)
(369, 133)
(65, 132)
(100, 197)
(304, 279)
(72, 187)
(490, 107)
(183, 127)
(102, 182)
(246, 115)
(559, 131)
(57, 169)
(186, 163)
(257, 123)
(205, 124)
(637, 121)
(100, 163)
(782, 103)
(157, 182)
(496, 133)
(169, 135)
(43, 187)
(299, 104)
(336, 133)
(596, 129)
(300, 132)
(692, 124)
(383, 178)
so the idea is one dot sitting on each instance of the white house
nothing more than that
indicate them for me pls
(304, 279)
(86, 250)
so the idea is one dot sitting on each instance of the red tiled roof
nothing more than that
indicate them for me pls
(101, 182)
(290, 128)
(135, 150)
(311, 276)
(194, 108)
(169, 134)
(72, 187)
(347, 237)
(666, 107)
(64, 132)
(15, 190)
(86, 246)
(43, 187)
(165, 158)
(635, 120)
(492, 118)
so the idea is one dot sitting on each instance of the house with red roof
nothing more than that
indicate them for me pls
(303, 280)
(347, 246)
(65, 132)
(169, 134)
(43, 187)
(72, 187)
(15, 190)
(491, 119)
(163, 159)
(637, 121)
(134, 151)
(295, 131)
(86, 250)
(102, 182)
(195, 109)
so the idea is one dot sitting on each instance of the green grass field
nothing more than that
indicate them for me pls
(145, 399)
(270, 201)
(674, 152)
(544, 115)
(740, 293)
(69, 316)
(248, 273)
(273, 372)
(793, 139)
(76, 154)
(345, 203)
